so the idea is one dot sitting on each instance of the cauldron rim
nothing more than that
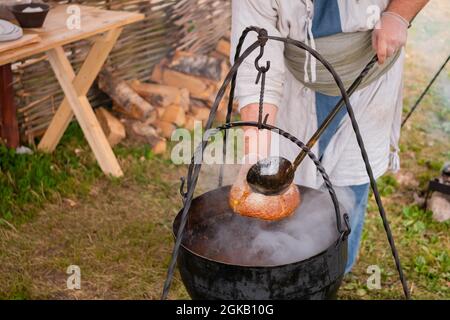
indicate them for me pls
(177, 217)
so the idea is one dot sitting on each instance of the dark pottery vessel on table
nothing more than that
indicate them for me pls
(30, 19)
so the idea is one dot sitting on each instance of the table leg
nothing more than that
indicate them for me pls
(84, 113)
(8, 111)
(82, 82)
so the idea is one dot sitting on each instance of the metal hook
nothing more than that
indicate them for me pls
(261, 71)
(347, 224)
(345, 234)
(262, 122)
(182, 193)
(262, 38)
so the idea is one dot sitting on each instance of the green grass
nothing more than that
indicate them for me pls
(423, 246)
(387, 185)
(29, 181)
(113, 228)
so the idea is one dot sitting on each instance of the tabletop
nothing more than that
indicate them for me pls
(56, 32)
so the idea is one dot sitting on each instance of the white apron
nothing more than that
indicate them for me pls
(377, 107)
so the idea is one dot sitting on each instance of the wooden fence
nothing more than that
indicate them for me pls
(194, 25)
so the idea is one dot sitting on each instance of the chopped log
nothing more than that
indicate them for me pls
(160, 147)
(221, 114)
(185, 98)
(224, 47)
(174, 114)
(157, 73)
(127, 101)
(216, 54)
(199, 88)
(138, 129)
(142, 132)
(202, 66)
(199, 107)
(112, 127)
(190, 122)
(151, 117)
(199, 103)
(225, 70)
(200, 113)
(160, 112)
(161, 95)
(164, 128)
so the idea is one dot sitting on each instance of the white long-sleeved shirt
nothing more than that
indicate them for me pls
(377, 107)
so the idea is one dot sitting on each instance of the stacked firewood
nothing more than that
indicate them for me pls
(180, 91)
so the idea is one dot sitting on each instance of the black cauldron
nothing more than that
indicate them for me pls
(318, 277)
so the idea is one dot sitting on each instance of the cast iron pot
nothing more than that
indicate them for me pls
(318, 277)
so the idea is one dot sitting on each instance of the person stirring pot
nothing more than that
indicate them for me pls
(300, 93)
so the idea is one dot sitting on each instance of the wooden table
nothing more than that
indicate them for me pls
(106, 27)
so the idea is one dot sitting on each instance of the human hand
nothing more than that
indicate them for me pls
(390, 35)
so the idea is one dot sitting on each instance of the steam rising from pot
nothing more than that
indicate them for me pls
(234, 239)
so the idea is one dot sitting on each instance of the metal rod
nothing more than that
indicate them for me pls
(424, 93)
(231, 98)
(332, 115)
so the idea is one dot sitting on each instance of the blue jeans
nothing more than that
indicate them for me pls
(324, 104)
(357, 217)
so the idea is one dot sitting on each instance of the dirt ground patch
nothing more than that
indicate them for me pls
(119, 235)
